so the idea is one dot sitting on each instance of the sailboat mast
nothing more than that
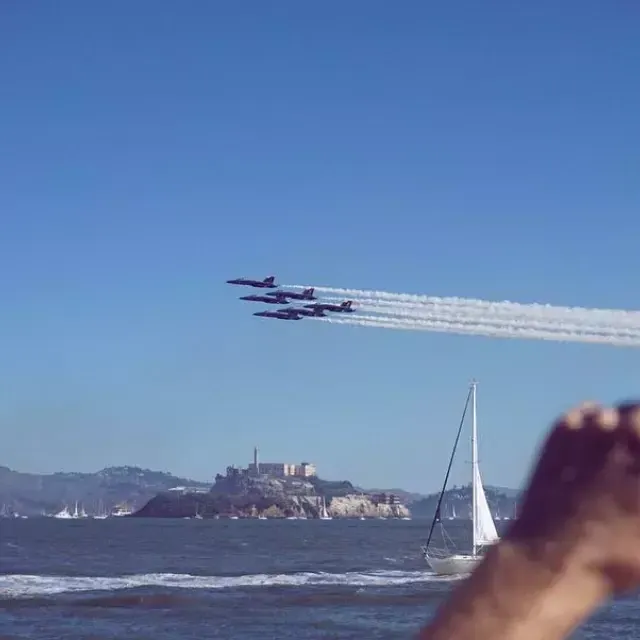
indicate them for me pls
(474, 465)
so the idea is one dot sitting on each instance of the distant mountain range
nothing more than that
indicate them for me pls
(33, 494)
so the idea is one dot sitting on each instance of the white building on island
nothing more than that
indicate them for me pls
(280, 469)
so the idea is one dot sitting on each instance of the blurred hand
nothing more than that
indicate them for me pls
(581, 512)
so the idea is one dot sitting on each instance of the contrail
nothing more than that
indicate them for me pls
(497, 310)
(485, 309)
(456, 315)
(526, 333)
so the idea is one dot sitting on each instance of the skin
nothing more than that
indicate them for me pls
(575, 544)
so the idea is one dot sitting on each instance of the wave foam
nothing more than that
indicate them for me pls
(18, 585)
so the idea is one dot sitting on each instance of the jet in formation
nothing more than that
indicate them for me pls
(292, 313)
(267, 299)
(283, 314)
(267, 283)
(343, 307)
(307, 313)
(306, 294)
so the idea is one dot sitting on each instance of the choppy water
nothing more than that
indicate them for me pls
(238, 579)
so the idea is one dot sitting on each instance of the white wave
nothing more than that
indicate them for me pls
(18, 585)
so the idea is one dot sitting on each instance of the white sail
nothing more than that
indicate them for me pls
(484, 527)
(324, 514)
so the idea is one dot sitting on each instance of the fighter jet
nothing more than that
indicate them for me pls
(307, 294)
(267, 283)
(343, 307)
(308, 313)
(268, 299)
(284, 314)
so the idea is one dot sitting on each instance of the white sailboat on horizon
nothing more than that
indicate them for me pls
(324, 514)
(484, 533)
(63, 514)
(101, 514)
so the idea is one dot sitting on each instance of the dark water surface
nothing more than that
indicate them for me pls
(245, 579)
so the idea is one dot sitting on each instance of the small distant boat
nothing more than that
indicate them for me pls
(63, 514)
(101, 514)
(484, 530)
(79, 513)
(121, 510)
(397, 513)
(324, 514)
(197, 515)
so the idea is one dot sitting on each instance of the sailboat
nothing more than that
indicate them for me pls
(442, 561)
(101, 513)
(324, 514)
(64, 514)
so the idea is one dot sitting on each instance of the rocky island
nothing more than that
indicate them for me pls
(274, 490)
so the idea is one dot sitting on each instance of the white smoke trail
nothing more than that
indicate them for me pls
(505, 328)
(521, 333)
(457, 316)
(578, 315)
(418, 309)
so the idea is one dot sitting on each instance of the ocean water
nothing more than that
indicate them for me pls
(240, 579)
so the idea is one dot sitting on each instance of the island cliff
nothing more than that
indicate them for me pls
(245, 496)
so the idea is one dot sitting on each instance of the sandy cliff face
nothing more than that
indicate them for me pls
(349, 506)
(358, 506)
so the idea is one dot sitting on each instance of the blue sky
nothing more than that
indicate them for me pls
(152, 150)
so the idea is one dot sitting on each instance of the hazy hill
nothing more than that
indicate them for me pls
(457, 501)
(31, 493)
(406, 497)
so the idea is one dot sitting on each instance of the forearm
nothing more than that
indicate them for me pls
(515, 596)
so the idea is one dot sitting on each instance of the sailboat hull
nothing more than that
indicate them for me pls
(453, 565)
